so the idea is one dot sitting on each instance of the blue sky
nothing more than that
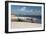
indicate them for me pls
(26, 10)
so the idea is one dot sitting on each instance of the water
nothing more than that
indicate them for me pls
(34, 17)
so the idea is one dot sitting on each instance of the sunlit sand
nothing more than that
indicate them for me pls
(24, 25)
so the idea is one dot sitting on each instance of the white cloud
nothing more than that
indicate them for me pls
(23, 8)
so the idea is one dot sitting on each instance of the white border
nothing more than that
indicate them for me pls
(24, 4)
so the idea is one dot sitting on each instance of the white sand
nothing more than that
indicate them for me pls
(25, 25)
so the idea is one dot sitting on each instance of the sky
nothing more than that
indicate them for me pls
(25, 10)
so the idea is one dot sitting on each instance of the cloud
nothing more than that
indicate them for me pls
(23, 8)
(26, 10)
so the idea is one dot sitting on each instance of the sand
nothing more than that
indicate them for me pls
(24, 25)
